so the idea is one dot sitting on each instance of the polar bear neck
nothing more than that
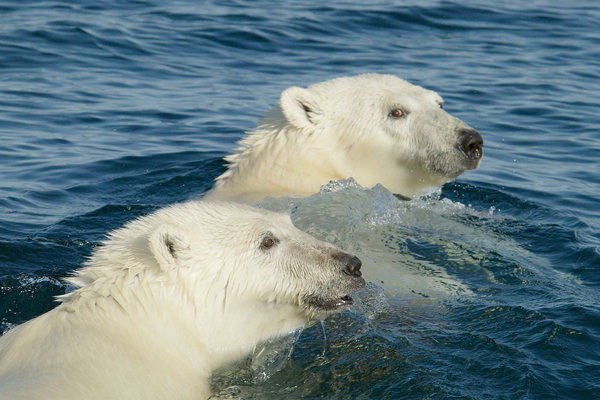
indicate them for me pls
(266, 155)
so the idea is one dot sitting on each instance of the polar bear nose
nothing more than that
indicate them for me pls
(352, 267)
(470, 143)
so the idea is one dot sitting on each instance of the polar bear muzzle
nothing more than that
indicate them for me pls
(335, 297)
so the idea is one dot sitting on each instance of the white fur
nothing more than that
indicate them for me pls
(343, 128)
(169, 298)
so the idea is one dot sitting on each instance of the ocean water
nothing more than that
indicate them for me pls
(489, 289)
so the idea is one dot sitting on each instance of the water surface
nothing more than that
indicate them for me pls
(110, 110)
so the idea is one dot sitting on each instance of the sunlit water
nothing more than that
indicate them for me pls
(486, 290)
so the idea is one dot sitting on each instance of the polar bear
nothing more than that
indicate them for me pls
(373, 128)
(171, 297)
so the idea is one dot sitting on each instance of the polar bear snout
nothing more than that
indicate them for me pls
(352, 266)
(349, 264)
(470, 143)
(351, 278)
(334, 295)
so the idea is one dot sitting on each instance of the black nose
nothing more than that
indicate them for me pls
(353, 265)
(470, 143)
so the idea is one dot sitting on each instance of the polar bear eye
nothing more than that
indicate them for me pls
(397, 113)
(268, 242)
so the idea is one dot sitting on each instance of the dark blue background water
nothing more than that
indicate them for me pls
(111, 109)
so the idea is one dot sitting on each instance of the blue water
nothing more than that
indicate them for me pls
(112, 109)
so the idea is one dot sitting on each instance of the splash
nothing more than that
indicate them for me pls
(271, 356)
(416, 250)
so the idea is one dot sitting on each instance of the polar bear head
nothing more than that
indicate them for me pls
(388, 131)
(240, 255)
(374, 128)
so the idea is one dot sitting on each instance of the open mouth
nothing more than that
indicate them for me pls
(329, 305)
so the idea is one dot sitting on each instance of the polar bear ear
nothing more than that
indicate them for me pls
(169, 245)
(299, 108)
